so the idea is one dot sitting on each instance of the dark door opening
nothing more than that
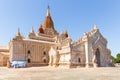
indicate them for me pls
(97, 54)
(79, 60)
(44, 53)
(44, 61)
(28, 60)
(28, 51)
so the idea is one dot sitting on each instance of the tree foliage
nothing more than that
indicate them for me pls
(113, 59)
(117, 59)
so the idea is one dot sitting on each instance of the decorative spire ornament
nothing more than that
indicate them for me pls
(48, 11)
(95, 26)
(19, 34)
(32, 30)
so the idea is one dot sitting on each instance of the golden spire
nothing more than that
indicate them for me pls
(48, 11)
(48, 23)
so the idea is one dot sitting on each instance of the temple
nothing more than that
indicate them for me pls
(49, 48)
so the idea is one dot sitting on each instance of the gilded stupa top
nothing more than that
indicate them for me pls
(48, 23)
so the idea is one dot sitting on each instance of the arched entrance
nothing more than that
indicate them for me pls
(79, 60)
(44, 60)
(97, 55)
(28, 60)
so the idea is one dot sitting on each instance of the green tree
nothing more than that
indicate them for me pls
(118, 58)
(113, 59)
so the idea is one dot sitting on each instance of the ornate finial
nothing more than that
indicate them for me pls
(85, 33)
(32, 30)
(95, 26)
(41, 25)
(48, 7)
(65, 33)
(48, 11)
(19, 32)
(18, 29)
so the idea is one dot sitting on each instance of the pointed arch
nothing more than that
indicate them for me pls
(79, 60)
(29, 60)
(97, 55)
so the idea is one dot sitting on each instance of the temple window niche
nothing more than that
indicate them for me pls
(28, 52)
(79, 60)
(57, 47)
(44, 57)
(44, 53)
(28, 60)
(44, 61)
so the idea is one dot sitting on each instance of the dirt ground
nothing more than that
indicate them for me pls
(50, 73)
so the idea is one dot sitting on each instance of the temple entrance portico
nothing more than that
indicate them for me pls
(97, 55)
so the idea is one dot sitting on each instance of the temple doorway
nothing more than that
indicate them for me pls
(28, 60)
(45, 61)
(97, 54)
(79, 60)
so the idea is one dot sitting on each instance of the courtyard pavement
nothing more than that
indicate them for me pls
(50, 73)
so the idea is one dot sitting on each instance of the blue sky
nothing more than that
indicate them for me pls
(75, 16)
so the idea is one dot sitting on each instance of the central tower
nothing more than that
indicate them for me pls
(48, 23)
(48, 26)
